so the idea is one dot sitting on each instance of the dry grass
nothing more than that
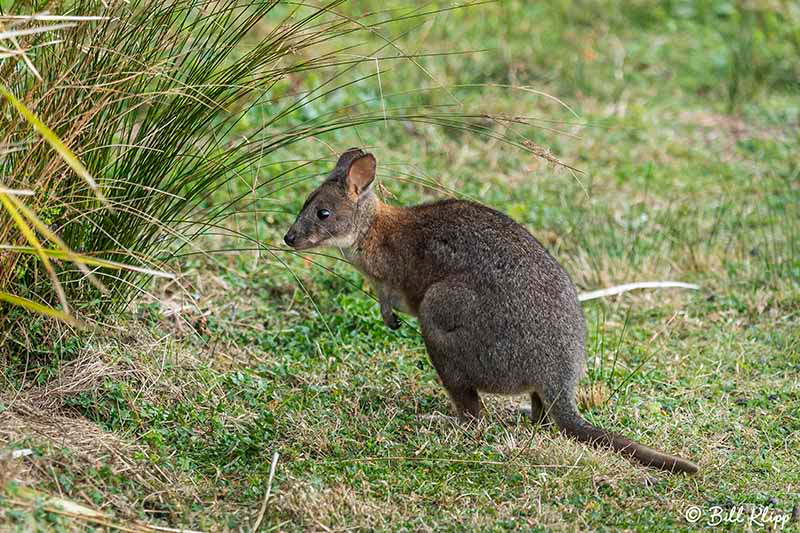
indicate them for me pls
(25, 421)
(43, 417)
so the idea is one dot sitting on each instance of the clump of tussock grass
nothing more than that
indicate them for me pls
(158, 102)
(146, 97)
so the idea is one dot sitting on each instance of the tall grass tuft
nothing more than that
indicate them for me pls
(145, 97)
(155, 99)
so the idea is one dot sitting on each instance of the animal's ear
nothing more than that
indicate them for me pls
(361, 174)
(339, 172)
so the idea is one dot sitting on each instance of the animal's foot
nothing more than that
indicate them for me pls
(534, 415)
(392, 321)
(440, 417)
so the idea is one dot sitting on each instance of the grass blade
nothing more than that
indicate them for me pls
(30, 236)
(38, 308)
(88, 260)
(66, 154)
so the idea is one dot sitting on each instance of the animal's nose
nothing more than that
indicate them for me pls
(289, 238)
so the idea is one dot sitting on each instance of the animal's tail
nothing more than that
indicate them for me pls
(565, 415)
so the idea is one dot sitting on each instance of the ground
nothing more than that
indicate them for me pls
(685, 137)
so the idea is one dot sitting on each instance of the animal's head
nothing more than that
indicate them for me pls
(329, 216)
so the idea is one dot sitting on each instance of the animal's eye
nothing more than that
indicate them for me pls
(322, 214)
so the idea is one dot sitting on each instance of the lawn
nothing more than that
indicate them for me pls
(682, 120)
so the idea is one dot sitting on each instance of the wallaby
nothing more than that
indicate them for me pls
(497, 312)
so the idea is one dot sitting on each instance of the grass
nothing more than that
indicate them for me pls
(173, 417)
(167, 105)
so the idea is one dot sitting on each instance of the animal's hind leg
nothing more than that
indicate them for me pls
(463, 394)
(537, 412)
(467, 402)
(445, 318)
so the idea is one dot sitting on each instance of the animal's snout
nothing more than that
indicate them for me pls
(289, 238)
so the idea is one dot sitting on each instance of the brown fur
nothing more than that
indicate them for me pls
(497, 312)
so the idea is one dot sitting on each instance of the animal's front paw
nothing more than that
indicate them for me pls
(392, 321)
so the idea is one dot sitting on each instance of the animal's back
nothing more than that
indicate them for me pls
(492, 251)
(532, 322)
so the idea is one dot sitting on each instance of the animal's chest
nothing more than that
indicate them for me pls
(390, 283)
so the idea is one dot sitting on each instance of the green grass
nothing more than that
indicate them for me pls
(690, 172)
